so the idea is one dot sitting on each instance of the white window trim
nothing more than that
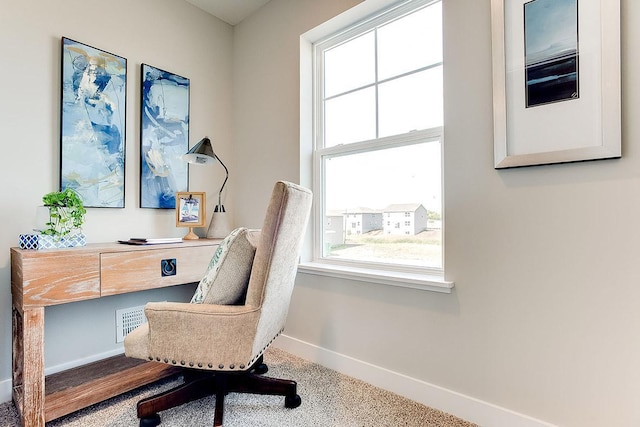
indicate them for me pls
(425, 282)
(428, 280)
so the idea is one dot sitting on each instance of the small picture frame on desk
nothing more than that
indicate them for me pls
(190, 211)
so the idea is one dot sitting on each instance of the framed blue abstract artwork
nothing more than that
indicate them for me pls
(164, 137)
(556, 81)
(93, 124)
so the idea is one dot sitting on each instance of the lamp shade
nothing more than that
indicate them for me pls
(201, 153)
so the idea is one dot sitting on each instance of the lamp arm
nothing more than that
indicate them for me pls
(220, 207)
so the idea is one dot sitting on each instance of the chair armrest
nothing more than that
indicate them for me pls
(203, 336)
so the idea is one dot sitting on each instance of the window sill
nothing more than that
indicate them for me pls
(394, 278)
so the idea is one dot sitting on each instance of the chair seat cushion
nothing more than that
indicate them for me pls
(227, 276)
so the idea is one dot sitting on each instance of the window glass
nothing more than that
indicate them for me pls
(411, 42)
(410, 103)
(350, 65)
(350, 117)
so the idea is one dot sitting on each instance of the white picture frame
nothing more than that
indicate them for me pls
(586, 128)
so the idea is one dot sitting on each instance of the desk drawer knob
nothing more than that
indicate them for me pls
(168, 267)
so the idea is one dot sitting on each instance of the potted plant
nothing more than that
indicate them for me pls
(62, 226)
(66, 212)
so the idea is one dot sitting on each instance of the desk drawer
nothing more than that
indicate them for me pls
(43, 278)
(122, 272)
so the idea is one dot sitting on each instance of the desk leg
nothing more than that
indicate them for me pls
(28, 365)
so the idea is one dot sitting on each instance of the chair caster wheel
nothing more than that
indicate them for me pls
(261, 369)
(292, 401)
(151, 421)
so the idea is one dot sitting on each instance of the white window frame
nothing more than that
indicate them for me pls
(314, 262)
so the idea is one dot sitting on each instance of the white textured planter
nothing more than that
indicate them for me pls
(44, 241)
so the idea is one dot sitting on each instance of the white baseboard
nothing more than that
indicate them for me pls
(466, 407)
(5, 385)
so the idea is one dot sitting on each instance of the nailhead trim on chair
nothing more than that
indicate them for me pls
(265, 348)
(200, 364)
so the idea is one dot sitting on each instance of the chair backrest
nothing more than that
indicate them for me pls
(276, 260)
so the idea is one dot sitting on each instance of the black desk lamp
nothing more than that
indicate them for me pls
(202, 154)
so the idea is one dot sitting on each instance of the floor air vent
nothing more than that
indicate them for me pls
(127, 319)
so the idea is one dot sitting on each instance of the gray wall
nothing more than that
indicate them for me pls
(172, 35)
(544, 316)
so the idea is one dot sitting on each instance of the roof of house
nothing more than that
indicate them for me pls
(405, 207)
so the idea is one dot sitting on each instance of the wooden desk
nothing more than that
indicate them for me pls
(59, 276)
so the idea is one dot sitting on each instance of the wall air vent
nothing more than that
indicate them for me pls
(127, 319)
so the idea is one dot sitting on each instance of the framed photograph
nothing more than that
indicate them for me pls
(93, 124)
(556, 81)
(190, 209)
(164, 137)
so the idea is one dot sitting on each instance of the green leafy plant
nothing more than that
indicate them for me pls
(66, 212)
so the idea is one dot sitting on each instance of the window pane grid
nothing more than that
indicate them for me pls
(375, 142)
(388, 79)
(371, 36)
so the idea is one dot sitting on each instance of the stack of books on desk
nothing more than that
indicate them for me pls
(144, 241)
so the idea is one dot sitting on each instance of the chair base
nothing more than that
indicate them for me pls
(199, 384)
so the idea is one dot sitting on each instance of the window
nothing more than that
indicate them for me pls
(377, 145)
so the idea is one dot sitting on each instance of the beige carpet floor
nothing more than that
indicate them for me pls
(328, 399)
